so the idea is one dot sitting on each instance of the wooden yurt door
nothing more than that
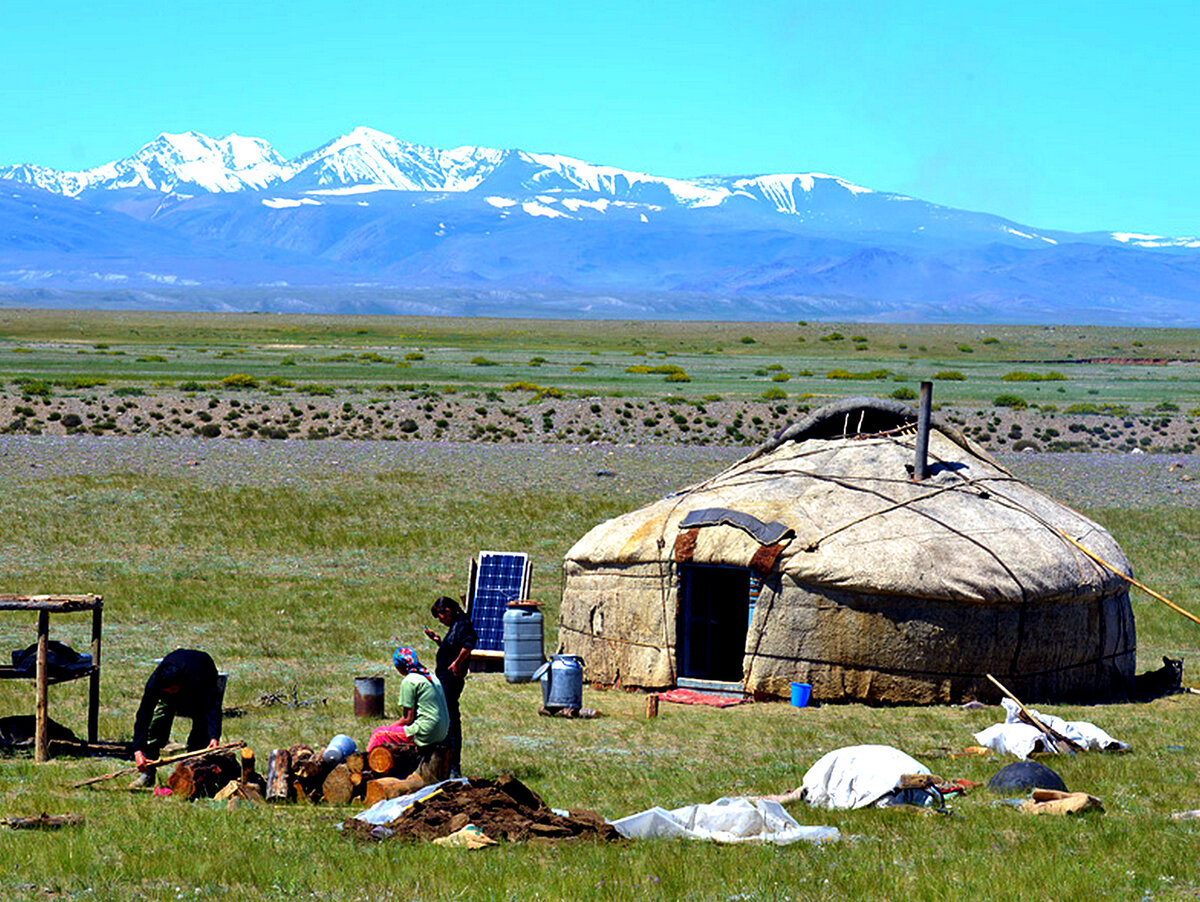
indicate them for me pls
(714, 613)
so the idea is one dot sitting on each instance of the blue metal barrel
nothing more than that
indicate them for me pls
(522, 642)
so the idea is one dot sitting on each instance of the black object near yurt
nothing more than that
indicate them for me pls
(818, 558)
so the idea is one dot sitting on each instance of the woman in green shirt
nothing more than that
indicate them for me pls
(425, 720)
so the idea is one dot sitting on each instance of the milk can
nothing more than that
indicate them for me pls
(562, 682)
(522, 641)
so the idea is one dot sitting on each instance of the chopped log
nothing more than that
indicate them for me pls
(379, 759)
(355, 762)
(228, 791)
(359, 783)
(236, 789)
(300, 794)
(308, 772)
(383, 788)
(248, 765)
(182, 782)
(204, 778)
(307, 764)
(250, 777)
(278, 775)
(434, 766)
(337, 788)
(389, 760)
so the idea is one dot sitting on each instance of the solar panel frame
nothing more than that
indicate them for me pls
(497, 578)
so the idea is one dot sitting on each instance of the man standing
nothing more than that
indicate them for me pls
(184, 683)
(453, 656)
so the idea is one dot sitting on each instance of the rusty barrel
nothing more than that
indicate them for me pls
(368, 696)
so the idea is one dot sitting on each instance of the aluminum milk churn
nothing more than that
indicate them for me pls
(562, 682)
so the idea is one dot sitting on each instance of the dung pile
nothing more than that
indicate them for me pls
(504, 808)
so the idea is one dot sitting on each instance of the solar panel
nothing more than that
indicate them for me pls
(497, 578)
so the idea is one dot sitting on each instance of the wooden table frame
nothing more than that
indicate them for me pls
(45, 605)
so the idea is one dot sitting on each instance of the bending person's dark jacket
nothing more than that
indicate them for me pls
(197, 698)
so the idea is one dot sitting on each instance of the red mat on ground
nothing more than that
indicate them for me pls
(692, 697)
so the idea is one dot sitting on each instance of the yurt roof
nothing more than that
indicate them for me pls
(838, 486)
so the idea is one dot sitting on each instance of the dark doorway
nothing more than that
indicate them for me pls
(714, 613)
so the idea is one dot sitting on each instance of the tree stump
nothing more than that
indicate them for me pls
(337, 788)
(279, 776)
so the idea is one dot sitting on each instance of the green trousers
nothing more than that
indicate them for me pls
(158, 733)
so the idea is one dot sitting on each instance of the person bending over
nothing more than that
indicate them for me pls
(184, 683)
(424, 720)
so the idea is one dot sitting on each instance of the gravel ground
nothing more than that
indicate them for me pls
(518, 418)
(1092, 480)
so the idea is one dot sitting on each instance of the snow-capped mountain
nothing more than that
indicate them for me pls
(366, 160)
(368, 208)
(184, 163)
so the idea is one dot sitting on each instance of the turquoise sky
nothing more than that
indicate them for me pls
(1081, 116)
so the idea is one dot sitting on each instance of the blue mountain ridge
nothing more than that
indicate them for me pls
(536, 236)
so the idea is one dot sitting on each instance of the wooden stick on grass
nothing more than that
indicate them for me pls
(1053, 735)
(229, 746)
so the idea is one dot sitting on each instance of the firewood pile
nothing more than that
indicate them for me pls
(304, 775)
(504, 808)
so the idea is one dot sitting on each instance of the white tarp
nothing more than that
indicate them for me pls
(858, 776)
(387, 810)
(1014, 737)
(728, 820)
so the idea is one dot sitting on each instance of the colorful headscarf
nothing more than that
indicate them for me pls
(405, 660)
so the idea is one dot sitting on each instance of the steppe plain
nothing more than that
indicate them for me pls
(299, 562)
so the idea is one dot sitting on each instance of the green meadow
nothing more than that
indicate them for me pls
(299, 565)
(1056, 366)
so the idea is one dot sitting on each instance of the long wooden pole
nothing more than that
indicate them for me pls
(94, 680)
(41, 749)
(1054, 736)
(1129, 579)
(227, 747)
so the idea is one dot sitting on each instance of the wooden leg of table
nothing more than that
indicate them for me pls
(40, 747)
(94, 682)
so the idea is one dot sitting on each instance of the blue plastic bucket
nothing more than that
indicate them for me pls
(800, 694)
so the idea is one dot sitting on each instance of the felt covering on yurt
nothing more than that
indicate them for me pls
(874, 587)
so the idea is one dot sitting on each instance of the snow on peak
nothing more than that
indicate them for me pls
(623, 183)
(366, 156)
(366, 159)
(1140, 239)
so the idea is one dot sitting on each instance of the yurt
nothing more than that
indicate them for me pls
(834, 555)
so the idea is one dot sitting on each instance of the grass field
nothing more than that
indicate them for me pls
(300, 564)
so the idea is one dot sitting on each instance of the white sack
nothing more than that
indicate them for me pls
(1015, 737)
(726, 820)
(857, 776)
